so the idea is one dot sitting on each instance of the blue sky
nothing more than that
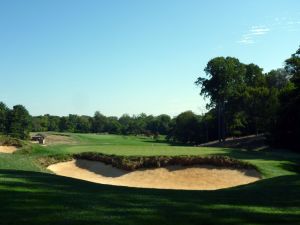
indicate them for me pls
(132, 56)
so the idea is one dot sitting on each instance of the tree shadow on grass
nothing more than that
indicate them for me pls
(251, 142)
(292, 167)
(286, 159)
(37, 198)
(265, 154)
(169, 143)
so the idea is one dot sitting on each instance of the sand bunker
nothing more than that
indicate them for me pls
(8, 149)
(171, 177)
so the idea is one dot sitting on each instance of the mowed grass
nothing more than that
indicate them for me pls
(31, 195)
(269, 162)
(19, 162)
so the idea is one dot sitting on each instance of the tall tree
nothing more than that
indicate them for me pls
(225, 79)
(3, 117)
(19, 122)
(287, 130)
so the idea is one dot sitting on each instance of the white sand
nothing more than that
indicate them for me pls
(8, 149)
(172, 177)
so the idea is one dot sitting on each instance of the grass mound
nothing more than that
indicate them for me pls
(10, 141)
(49, 160)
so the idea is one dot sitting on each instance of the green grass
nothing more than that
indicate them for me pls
(19, 162)
(31, 195)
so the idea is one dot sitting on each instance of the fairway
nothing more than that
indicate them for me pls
(41, 197)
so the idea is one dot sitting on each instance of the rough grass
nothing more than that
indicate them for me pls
(30, 195)
(19, 162)
(10, 141)
(131, 163)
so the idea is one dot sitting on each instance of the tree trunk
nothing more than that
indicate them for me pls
(223, 120)
(219, 122)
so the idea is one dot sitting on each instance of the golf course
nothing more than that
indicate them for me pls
(32, 194)
(150, 112)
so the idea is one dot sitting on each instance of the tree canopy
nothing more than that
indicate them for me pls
(286, 132)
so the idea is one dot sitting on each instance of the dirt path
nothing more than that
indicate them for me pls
(8, 149)
(53, 139)
(172, 177)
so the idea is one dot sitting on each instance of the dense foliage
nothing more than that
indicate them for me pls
(245, 99)
(99, 123)
(286, 132)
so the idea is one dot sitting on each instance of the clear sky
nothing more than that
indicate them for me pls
(132, 56)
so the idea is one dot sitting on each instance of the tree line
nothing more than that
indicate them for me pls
(99, 123)
(243, 100)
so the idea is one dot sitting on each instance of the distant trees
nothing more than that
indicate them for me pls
(161, 124)
(83, 124)
(99, 123)
(64, 124)
(189, 128)
(113, 125)
(45, 123)
(186, 128)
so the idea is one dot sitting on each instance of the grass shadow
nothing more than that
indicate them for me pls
(38, 198)
(166, 142)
